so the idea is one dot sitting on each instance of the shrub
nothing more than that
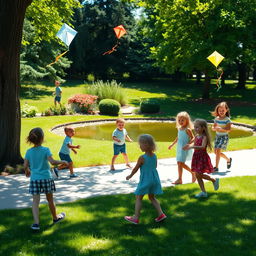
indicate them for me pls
(55, 111)
(149, 106)
(109, 107)
(83, 103)
(108, 90)
(28, 111)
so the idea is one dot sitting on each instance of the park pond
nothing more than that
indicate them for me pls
(162, 131)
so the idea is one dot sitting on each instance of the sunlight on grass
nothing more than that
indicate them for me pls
(162, 232)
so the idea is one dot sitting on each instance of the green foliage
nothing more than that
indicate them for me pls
(28, 111)
(109, 107)
(55, 111)
(83, 103)
(108, 90)
(149, 106)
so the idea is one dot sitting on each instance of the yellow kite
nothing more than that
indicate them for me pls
(215, 58)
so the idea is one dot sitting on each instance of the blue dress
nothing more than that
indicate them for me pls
(183, 139)
(149, 180)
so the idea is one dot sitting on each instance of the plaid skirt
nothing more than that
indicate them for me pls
(221, 141)
(37, 187)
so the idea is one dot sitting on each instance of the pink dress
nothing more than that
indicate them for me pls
(201, 161)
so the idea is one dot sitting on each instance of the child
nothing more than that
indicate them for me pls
(185, 136)
(119, 136)
(222, 126)
(201, 162)
(64, 153)
(57, 93)
(37, 168)
(149, 180)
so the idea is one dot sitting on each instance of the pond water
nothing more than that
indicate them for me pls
(161, 131)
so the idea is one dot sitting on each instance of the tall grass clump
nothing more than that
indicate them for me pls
(108, 90)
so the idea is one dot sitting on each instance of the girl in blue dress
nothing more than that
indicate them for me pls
(149, 180)
(185, 136)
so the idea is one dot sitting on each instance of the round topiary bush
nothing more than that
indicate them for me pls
(109, 107)
(149, 106)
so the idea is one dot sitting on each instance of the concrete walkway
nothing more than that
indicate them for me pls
(98, 180)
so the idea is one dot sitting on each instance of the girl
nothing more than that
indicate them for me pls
(37, 168)
(222, 126)
(201, 162)
(149, 180)
(185, 136)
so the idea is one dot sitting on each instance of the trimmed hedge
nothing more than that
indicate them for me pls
(109, 107)
(149, 106)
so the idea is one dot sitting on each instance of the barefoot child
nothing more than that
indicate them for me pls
(64, 153)
(222, 126)
(57, 93)
(149, 180)
(38, 169)
(185, 136)
(201, 162)
(119, 136)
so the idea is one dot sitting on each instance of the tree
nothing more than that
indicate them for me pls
(47, 15)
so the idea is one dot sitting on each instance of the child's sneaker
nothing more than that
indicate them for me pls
(60, 217)
(73, 175)
(35, 227)
(160, 218)
(216, 184)
(215, 169)
(131, 219)
(201, 194)
(56, 172)
(229, 163)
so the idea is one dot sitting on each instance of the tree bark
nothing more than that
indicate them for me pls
(12, 14)
(206, 90)
(242, 76)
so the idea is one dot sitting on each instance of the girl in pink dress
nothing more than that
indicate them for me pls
(201, 162)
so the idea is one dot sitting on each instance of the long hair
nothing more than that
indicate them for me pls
(147, 142)
(185, 115)
(36, 136)
(203, 124)
(221, 104)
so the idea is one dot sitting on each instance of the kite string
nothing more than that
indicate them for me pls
(112, 50)
(57, 58)
(218, 83)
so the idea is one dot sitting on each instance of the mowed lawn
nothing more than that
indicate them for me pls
(223, 224)
(172, 97)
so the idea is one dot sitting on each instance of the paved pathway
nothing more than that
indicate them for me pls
(98, 180)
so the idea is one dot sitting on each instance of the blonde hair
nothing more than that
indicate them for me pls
(185, 115)
(36, 136)
(147, 142)
(203, 124)
(221, 104)
(120, 120)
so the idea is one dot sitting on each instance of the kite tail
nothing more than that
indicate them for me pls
(57, 58)
(218, 83)
(112, 50)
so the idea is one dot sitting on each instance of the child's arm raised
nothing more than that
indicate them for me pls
(56, 162)
(136, 168)
(72, 147)
(174, 142)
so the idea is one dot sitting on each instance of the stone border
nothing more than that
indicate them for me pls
(56, 129)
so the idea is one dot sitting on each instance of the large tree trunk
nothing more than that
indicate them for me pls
(12, 13)
(207, 83)
(242, 76)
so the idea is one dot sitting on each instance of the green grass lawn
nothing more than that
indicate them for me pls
(223, 224)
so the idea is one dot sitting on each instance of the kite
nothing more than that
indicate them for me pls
(215, 58)
(66, 34)
(119, 31)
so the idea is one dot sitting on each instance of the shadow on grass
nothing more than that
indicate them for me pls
(223, 224)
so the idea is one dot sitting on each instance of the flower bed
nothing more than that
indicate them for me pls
(83, 103)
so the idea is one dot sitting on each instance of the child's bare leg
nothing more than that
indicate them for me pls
(155, 203)
(113, 162)
(126, 160)
(207, 177)
(200, 181)
(138, 205)
(70, 167)
(217, 152)
(188, 169)
(180, 171)
(51, 205)
(35, 208)
(224, 156)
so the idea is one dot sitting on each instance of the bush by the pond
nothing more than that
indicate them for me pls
(28, 111)
(108, 90)
(109, 107)
(83, 103)
(55, 111)
(149, 106)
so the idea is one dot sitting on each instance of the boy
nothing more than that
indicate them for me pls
(57, 93)
(64, 153)
(119, 136)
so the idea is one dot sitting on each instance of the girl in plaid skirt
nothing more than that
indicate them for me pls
(36, 165)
